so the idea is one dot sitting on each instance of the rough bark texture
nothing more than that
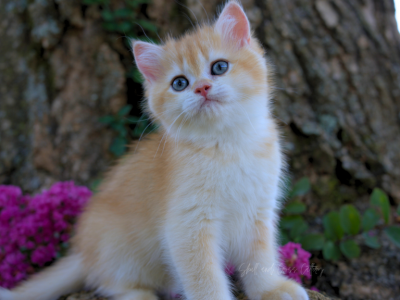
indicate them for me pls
(337, 95)
(58, 76)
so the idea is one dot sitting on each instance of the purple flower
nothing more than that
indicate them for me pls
(32, 229)
(295, 261)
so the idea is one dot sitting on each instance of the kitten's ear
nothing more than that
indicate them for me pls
(148, 59)
(233, 24)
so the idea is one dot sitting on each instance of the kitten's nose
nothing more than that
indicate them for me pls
(202, 88)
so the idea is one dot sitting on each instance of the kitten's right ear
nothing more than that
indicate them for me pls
(148, 59)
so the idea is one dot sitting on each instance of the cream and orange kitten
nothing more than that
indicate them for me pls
(194, 197)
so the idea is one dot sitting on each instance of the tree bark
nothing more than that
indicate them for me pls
(58, 76)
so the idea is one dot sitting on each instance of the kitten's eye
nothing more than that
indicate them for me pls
(180, 83)
(219, 68)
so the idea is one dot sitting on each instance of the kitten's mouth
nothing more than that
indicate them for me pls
(209, 101)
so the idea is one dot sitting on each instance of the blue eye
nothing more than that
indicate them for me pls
(219, 68)
(180, 83)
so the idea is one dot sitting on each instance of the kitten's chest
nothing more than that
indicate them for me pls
(231, 184)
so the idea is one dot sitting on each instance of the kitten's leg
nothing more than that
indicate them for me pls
(260, 268)
(197, 260)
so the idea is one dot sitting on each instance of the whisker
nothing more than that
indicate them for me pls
(143, 31)
(140, 138)
(187, 9)
(180, 127)
(247, 115)
(208, 18)
(187, 17)
(167, 131)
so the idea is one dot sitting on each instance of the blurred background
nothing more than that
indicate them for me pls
(70, 102)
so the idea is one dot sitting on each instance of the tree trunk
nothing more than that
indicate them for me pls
(58, 76)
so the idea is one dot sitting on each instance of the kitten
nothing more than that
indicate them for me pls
(194, 197)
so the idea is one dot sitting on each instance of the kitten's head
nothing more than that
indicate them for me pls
(211, 80)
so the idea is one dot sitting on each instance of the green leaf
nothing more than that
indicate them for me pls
(136, 75)
(131, 120)
(331, 251)
(371, 241)
(118, 146)
(299, 227)
(301, 187)
(295, 207)
(124, 110)
(312, 242)
(136, 3)
(95, 2)
(370, 219)
(110, 26)
(333, 230)
(288, 222)
(380, 200)
(393, 233)
(283, 238)
(350, 219)
(107, 15)
(120, 129)
(350, 249)
(124, 27)
(147, 25)
(107, 120)
(123, 13)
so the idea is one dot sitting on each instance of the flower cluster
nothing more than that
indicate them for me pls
(295, 261)
(34, 230)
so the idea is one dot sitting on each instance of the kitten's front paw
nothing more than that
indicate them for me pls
(287, 290)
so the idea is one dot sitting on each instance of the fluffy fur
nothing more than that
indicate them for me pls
(201, 193)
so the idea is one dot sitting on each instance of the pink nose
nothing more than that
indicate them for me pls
(202, 89)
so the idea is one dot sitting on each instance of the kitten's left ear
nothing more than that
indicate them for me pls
(233, 24)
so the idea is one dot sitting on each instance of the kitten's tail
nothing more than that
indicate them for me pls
(65, 276)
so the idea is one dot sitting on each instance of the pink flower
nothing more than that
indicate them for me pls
(32, 229)
(295, 261)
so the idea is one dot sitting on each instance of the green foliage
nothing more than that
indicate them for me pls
(398, 210)
(333, 230)
(393, 233)
(120, 124)
(299, 227)
(126, 21)
(295, 207)
(340, 227)
(312, 241)
(350, 219)
(123, 20)
(331, 251)
(380, 201)
(371, 241)
(301, 188)
(369, 220)
(350, 249)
